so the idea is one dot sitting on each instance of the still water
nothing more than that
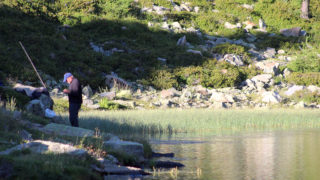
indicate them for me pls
(281, 155)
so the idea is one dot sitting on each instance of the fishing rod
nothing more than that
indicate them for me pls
(32, 64)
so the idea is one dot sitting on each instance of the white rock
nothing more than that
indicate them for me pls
(194, 52)
(196, 9)
(281, 51)
(248, 6)
(231, 26)
(293, 90)
(40, 146)
(271, 97)
(176, 25)
(313, 88)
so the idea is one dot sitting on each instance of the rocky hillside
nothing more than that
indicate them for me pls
(162, 44)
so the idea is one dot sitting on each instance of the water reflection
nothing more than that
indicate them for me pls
(271, 155)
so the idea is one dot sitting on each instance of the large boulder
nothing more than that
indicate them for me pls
(133, 149)
(169, 93)
(221, 97)
(34, 107)
(295, 32)
(233, 59)
(87, 91)
(269, 67)
(271, 97)
(64, 130)
(293, 90)
(42, 147)
(39, 106)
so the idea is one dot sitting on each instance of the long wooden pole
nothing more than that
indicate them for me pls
(32, 64)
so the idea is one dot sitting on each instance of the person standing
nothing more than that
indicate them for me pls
(75, 97)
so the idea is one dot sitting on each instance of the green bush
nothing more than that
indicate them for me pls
(305, 79)
(9, 95)
(307, 61)
(220, 74)
(306, 96)
(163, 79)
(108, 105)
(189, 75)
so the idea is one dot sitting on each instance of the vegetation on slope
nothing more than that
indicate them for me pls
(58, 34)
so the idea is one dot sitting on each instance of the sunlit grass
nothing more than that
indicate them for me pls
(198, 120)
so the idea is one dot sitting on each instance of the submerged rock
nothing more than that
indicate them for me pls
(127, 147)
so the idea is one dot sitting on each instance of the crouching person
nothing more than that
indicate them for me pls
(75, 98)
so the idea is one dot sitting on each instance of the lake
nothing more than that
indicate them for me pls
(285, 154)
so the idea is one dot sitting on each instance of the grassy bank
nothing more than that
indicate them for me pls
(198, 120)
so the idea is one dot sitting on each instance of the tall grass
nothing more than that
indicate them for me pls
(198, 121)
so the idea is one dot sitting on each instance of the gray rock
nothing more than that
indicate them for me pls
(162, 59)
(23, 88)
(221, 97)
(46, 102)
(182, 41)
(233, 59)
(194, 52)
(265, 78)
(109, 95)
(293, 90)
(34, 107)
(270, 67)
(300, 105)
(127, 147)
(232, 26)
(87, 91)
(169, 93)
(42, 147)
(295, 32)
(248, 6)
(281, 51)
(176, 25)
(64, 130)
(270, 53)
(262, 25)
(25, 135)
(165, 25)
(185, 7)
(313, 88)
(196, 9)
(286, 72)
(271, 97)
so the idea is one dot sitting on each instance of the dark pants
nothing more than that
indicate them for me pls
(73, 114)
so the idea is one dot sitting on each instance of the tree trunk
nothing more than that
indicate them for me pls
(305, 9)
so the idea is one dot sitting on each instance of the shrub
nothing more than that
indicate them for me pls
(189, 75)
(307, 61)
(163, 79)
(9, 94)
(220, 74)
(108, 105)
(305, 79)
(306, 96)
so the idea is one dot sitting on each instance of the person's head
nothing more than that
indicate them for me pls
(68, 77)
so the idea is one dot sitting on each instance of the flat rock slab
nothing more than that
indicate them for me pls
(41, 147)
(120, 170)
(65, 130)
(123, 177)
(127, 147)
